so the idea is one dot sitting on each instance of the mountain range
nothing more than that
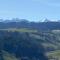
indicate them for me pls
(19, 20)
(24, 40)
(23, 23)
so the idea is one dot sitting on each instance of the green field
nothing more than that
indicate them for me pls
(54, 55)
(19, 30)
(8, 56)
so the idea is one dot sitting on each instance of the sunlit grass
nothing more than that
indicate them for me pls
(19, 30)
(8, 56)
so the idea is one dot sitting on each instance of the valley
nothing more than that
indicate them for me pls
(29, 42)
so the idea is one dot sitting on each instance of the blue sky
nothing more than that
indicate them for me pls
(33, 10)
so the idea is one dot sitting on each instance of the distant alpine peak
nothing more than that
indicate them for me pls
(47, 20)
(25, 20)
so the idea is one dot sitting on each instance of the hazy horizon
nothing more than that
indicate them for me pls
(32, 10)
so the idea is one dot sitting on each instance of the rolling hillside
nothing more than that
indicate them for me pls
(22, 45)
(25, 40)
(27, 44)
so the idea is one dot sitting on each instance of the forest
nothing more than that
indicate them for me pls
(29, 42)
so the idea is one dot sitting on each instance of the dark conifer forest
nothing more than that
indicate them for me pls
(24, 40)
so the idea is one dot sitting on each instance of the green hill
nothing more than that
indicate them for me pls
(29, 44)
